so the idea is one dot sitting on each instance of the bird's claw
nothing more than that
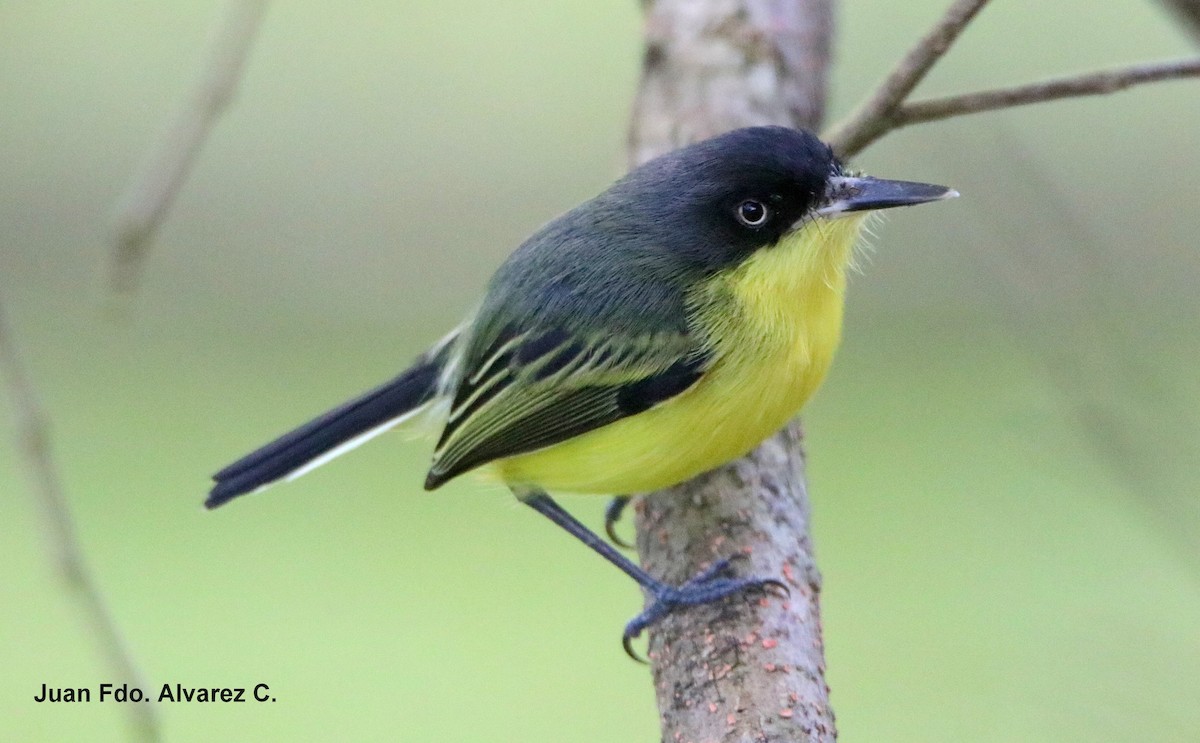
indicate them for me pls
(711, 584)
(612, 514)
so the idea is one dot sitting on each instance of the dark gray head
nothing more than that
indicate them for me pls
(719, 200)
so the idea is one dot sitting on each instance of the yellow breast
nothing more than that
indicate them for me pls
(774, 323)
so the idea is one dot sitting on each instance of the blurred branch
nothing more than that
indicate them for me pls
(1188, 12)
(737, 671)
(1093, 348)
(144, 204)
(62, 543)
(871, 120)
(1074, 86)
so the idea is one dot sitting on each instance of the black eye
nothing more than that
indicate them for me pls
(752, 213)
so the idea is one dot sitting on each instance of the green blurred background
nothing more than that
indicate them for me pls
(1003, 462)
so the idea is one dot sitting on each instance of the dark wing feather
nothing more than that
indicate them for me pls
(536, 389)
(586, 323)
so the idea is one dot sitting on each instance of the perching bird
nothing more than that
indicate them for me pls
(661, 329)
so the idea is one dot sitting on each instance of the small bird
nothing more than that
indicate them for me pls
(659, 330)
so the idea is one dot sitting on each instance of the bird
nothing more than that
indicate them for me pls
(661, 329)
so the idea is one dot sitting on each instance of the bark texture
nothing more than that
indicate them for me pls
(753, 668)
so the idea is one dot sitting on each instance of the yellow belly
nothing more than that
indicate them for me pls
(775, 322)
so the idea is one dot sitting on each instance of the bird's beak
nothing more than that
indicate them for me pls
(847, 194)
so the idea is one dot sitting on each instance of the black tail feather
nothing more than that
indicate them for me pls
(413, 388)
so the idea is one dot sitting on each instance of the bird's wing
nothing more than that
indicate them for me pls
(527, 390)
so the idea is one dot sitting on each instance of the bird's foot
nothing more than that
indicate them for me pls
(712, 584)
(612, 514)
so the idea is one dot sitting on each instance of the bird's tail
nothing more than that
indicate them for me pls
(335, 432)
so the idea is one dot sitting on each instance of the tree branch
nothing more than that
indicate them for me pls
(1091, 83)
(885, 110)
(741, 670)
(866, 124)
(143, 206)
(32, 432)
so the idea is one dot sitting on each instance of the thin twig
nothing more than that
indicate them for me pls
(1073, 86)
(33, 438)
(143, 206)
(869, 122)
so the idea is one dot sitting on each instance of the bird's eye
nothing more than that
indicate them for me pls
(752, 213)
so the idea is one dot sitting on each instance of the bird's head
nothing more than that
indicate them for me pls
(724, 198)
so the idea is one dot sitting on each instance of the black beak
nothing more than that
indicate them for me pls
(846, 194)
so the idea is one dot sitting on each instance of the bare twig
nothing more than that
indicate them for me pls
(61, 541)
(885, 110)
(868, 123)
(738, 671)
(143, 206)
(1074, 86)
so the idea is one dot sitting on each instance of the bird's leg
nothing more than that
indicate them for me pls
(712, 584)
(612, 514)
